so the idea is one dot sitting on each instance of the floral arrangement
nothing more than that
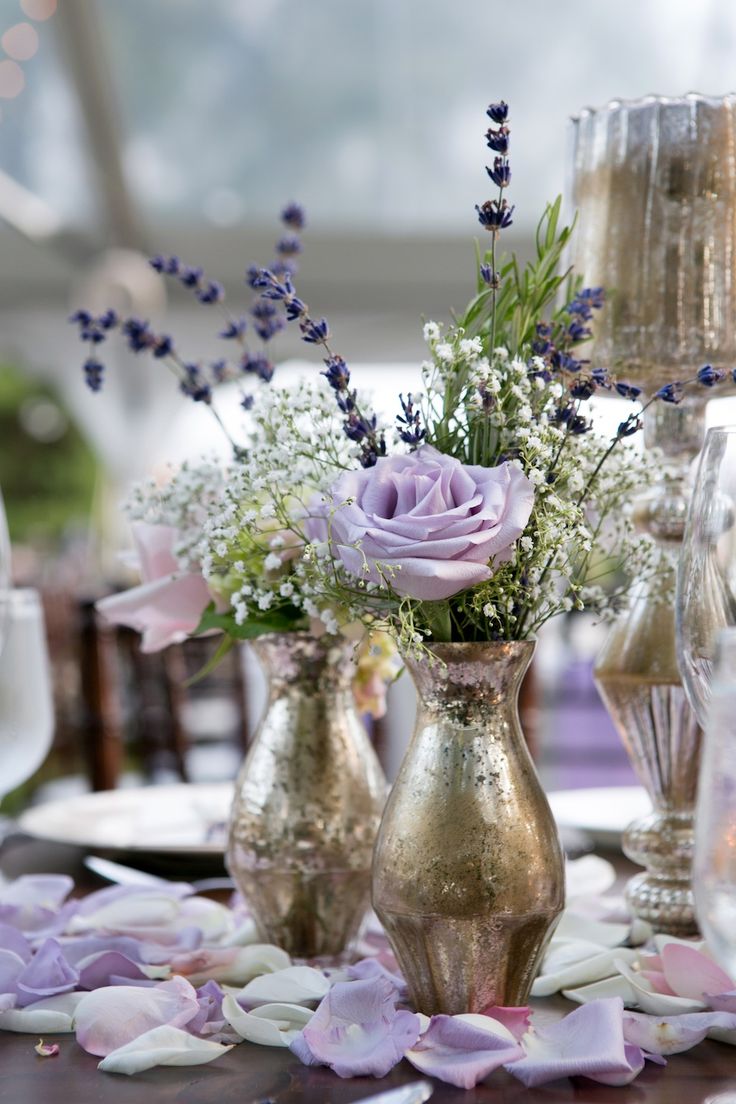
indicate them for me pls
(493, 504)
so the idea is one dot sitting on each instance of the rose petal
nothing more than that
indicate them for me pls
(11, 967)
(11, 939)
(580, 968)
(50, 1016)
(165, 611)
(371, 967)
(616, 986)
(161, 1046)
(270, 1025)
(293, 985)
(47, 891)
(658, 1004)
(95, 972)
(46, 974)
(575, 928)
(673, 1034)
(589, 1042)
(589, 875)
(46, 1050)
(108, 1018)
(515, 1020)
(230, 965)
(689, 973)
(357, 1030)
(462, 1053)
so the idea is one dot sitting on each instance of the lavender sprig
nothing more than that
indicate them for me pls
(495, 214)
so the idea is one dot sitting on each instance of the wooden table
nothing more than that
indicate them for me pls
(251, 1074)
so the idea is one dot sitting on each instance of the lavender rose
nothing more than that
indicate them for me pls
(434, 520)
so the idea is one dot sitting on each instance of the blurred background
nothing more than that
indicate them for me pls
(130, 127)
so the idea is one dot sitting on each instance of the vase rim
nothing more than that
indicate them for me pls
(463, 648)
(654, 99)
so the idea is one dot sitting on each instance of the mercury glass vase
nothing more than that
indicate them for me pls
(308, 801)
(468, 875)
(653, 182)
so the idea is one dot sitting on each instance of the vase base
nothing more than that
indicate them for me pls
(455, 965)
(664, 902)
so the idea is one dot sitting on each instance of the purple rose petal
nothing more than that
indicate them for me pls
(99, 969)
(460, 1053)
(371, 968)
(722, 1002)
(47, 891)
(589, 1042)
(436, 521)
(11, 939)
(46, 974)
(673, 1034)
(209, 998)
(7, 1000)
(109, 1018)
(357, 1030)
(80, 947)
(11, 967)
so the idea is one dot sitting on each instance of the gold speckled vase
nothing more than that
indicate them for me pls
(468, 873)
(308, 801)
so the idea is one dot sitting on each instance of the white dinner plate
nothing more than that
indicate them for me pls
(180, 819)
(601, 813)
(189, 819)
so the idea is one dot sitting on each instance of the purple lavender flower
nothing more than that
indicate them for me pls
(500, 174)
(252, 276)
(671, 392)
(138, 334)
(194, 385)
(315, 333)
(293, 216)
(247, 402)
(259, 366)
(628, 390)
(289, 245)
(489, 276)
(212, 292)
(495, 215)
(709, 376)
(583, 388)
(498, 140)
(190, 276)
(337, 374)
(234, 329)
(498, 112)
(163, 346)
(109, 320)
(409, 423)
(94, 372)
(82, 317)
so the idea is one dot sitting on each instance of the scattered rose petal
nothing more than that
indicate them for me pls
(357, 1030)
(13, 940)
(371, 967)
(462, 1053)
(673, 1034)
(106, 1019)
(658, 1004)
(722, 1002)
(580, 970)
(270, 1024)
(46, 891)
(46, 1050)
(574, 927)
(689, 973)
(51, 1016)
(616, 986)
(515, 1020)
(230, 965)
(11, 967)
(588, 876)
(294, 985)
(161, 1046)
(589, 1042)
(47, 974)
(96, 970)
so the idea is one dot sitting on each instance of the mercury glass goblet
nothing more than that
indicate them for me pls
(706, 579)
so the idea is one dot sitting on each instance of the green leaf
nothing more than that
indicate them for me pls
(286, 619)
(225, 645)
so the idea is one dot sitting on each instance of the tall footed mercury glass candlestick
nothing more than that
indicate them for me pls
(654, 185)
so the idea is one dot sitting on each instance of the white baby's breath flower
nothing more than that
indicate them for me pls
(431, 331)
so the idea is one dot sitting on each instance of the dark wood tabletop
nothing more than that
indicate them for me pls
(251, 1074)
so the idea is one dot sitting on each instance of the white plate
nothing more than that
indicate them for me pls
(182, 819)
(602, 813)
(189, 819)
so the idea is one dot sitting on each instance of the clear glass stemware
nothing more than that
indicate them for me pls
(714, 868)
(706, 584)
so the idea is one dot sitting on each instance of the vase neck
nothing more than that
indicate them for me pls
(475, 675)
(299, 659)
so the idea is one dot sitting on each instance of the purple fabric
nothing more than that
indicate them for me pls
(357, 1030)
(460, 1053)
(433, 522)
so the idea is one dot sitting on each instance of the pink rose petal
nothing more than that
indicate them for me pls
(109, 1018)
(517, 1020)
(690, 973)
(46, 1050)
(460, 1053)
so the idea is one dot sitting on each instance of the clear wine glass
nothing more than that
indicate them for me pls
(26, 702)
(714, 865)
(706, 580)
